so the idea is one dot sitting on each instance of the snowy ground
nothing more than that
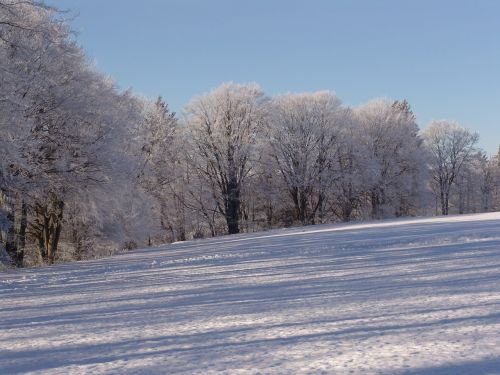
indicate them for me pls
(400, 297)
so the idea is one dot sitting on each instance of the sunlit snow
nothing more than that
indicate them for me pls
(415, 296)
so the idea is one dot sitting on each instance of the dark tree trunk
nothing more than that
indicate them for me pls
(269, 215)
(48, 228)
(375, 201)
(233, 206)
(57, 228)
(294, 192)
(15, 240)
(444, 202)
(10, 240)
(46, 237)
(317, 209)
(302, 208)
(346, 212)
(181, 236)
(12, 237)
(21, 243)
(23, 225)
(347, 207)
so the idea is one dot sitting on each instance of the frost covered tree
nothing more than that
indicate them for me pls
(20, 22)
(163, 173)
(474, 186)
(494, 166)
(304, 131)
(451, 148)
(223, 127)
(29, 37)
(58, 119)
(348, 192)
(393, 156)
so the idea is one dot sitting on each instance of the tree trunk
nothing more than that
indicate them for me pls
(21, 243)
(318, 208)
(12, 244)
(294, 192)
(346, 212)
(46, 237)
(269, 215)
(375, 201)
(303, 208)
(10, 240)
(55, 241)
(232, 217)
(444, 202)
(48, 228)
(181, 236)
(23, 224)
(233, 206)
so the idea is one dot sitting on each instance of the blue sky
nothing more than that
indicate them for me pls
(442, 56)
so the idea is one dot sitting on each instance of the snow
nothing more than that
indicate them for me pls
(418, 296)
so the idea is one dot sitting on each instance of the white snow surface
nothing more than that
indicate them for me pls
(418, 296)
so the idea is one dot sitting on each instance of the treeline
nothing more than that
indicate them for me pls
(241, 161)
(86, 169)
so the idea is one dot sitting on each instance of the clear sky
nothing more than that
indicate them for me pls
(443, 56)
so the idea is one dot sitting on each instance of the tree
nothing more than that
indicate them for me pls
(474, 186)
(349, 188)
(304, 135)
(223, 127)
(58, 120)
(28, 37)
(393, 159)
(450, 148)
(162, 173)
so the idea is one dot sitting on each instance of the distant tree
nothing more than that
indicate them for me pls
(495, 170)
(450, 147)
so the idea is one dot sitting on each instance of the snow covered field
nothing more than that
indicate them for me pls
(397, 297)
